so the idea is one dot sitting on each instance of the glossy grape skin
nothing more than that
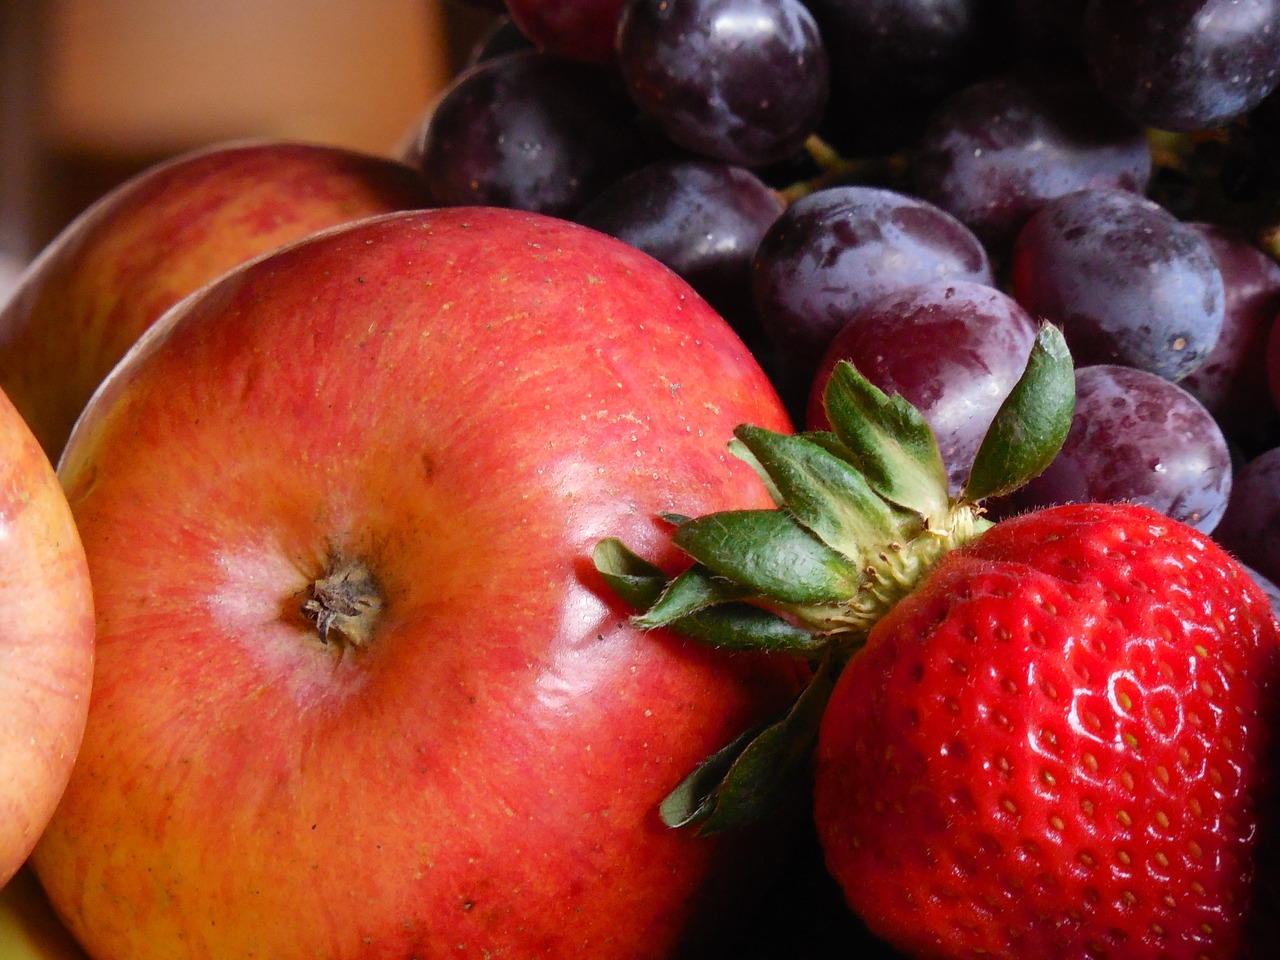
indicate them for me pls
(1250, 528)
(702, 219)
(892, 61)
(838, 249)
(993, 153)
(1232, 381)
(1137, 437)
(953, 349)
(741, 81)
(577, 29)
(1126, 281)
(1183, 64)
(529, 131)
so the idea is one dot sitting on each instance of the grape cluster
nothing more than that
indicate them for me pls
(915, 185)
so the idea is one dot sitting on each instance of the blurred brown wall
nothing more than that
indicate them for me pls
(93, 90)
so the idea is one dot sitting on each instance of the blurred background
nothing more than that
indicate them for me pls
(92, 91)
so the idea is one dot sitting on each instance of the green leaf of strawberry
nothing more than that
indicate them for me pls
(753, 776)
(635, 580)
(888, 441)
(770, 554)
(827, 495)
(682, 604)
(1031, 424)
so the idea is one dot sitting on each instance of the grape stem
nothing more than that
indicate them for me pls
(835, 170)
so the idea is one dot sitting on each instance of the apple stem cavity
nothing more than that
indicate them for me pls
(345, 604)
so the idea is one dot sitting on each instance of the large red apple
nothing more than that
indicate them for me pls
(46, 640)
(149, 242)
(360, 692)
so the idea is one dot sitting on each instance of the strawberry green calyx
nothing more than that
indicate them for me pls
(862, 514)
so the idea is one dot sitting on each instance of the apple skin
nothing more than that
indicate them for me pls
(152, 240)
(466, 400)
(46, 640)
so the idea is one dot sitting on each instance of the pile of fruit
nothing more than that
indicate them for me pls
(753, 478)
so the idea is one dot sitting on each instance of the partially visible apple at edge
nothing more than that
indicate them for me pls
(152, 240)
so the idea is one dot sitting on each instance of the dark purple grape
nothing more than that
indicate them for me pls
(577, 29)
(1183, 64)
(530, 131)
(837, 249)
(1232, 382)
(995, 152)
(892, 61)
(702, 219)
(742, 81)
(1250, 529)
(1138, 438)
(952, 349)
(1126, 281)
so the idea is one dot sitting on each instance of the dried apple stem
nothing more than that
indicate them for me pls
(345, 604)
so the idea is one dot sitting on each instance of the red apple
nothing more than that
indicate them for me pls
(46, 641)
(149, 242)
(360, 691)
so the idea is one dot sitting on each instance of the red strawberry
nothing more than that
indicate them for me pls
(1053, 746)
(1049, 739)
